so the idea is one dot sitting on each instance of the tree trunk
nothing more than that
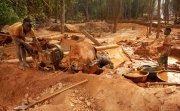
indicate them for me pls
(150, 17)
(87, 13)
(62, 16)
(159, 19)
(56, 10)
(149, 13)
(116, 18)
(166, 12)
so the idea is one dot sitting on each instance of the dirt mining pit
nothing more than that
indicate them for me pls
(109, 91)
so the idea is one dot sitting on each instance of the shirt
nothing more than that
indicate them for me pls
(167, 41)
(167, 45)
(16, 30)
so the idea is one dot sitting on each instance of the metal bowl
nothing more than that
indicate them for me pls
(137, 76)
(169, 76)
(152, 70)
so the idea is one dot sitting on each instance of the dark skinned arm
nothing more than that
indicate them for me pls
(31, 33)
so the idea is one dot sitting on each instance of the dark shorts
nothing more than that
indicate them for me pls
(163, 59)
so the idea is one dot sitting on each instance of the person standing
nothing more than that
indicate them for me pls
(167, 44)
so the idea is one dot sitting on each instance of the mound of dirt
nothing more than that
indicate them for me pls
(54, 27)
(15, 83)
(67, 27)
(115, 93)
(71, 28)
(101, 93)
(97, 27)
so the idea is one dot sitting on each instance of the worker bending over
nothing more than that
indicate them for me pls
(18, 32)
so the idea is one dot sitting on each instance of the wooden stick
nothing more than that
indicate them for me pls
(172, 71)
(30, 59)
(6, 35)
(127, 54)
(56, 93)
(99, 48)
(147, 84)
(91, 37)
(52, 37)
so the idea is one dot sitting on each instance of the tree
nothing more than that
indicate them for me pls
(56, 10)
(7, 14)
(166, 11)
(159, 19)
(117, 10)
(62, 16)
(176, 8)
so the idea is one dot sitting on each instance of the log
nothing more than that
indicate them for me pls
(91, 37)
(55, 94)
(51, 37)
(148, 84)
(99, 48)
(127, 54)
(173, 71)
(30, 59)
(4, 35)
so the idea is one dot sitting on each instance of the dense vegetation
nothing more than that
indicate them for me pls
(82, 10)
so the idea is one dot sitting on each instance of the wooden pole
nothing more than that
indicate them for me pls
(6, 35)
(62, 16)
(99, 48)
(148, 84)
(55, 94)
(91, 37)
(127, 54)
(30, 59)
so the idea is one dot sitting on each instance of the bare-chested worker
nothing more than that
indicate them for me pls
(18, 32)
(167, 43)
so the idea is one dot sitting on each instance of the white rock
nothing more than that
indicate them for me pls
(52, 90)
(26, 95)
(46, 102)
(37, 98)
(81, 98)
(76, 91)
(88, 103)
(60, 85)
(170, 89)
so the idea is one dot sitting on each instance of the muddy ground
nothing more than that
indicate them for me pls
(109, 91)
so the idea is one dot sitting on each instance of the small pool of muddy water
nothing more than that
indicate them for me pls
(171, 77)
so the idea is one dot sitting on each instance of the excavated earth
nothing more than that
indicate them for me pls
(109, 91)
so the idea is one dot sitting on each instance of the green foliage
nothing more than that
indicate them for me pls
(7, 14)
(76, 10)
(21, 8)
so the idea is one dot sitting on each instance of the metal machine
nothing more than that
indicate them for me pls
(50, 56)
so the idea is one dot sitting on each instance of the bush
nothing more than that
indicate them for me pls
(7, 14)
